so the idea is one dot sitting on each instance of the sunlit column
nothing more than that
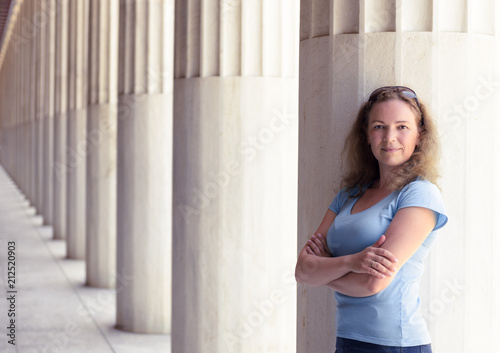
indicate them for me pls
(60, 167)
(144, 230)
(76, 129)
(235, 176)
(101, 131)
(48, 120)
(40, 102)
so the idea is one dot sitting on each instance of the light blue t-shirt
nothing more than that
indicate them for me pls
(391, 317)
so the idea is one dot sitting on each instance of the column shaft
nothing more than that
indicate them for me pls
(235, 162)
(40, 101)
(76, 130)
(48, 119)
(60, 168)
(101, 131)
(145, 165)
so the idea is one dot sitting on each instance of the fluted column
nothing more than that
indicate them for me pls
(347, 49)
(21, 115)
(30, 37)
(40, 102)
(145, 165)
(76, 129)
(60, 167)
(101, 131)
(16, 104)
(48, 119)
(235, 165)
(25, 107)
(28, 45)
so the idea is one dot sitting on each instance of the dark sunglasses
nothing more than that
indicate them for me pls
(407, 92)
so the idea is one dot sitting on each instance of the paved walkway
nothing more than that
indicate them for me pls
(50, 308)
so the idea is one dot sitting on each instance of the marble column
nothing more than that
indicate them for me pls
(60, 167)
(28, 67)
(76, 154)
(16, 116)
(235, 170)
(40, 102)
(101, 132)
(347, 49)
(145, 165)
(23, 112)
(28, 33)
(48, 120)
(18, 103)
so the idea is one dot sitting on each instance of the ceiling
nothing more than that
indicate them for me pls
(4, 13)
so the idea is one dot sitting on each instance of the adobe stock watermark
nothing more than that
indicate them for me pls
(229, 5)
(76, 155)
(447, 296)
(60, 341)
(263, 311)
(248, 150)
(30, 26)
(482, 92)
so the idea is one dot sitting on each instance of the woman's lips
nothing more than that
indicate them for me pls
(390, 150)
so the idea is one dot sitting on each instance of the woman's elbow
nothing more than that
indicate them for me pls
(376, 285)
(302, 276)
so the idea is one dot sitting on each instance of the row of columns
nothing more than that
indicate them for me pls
(90, 85)
(97, 80)
(93, 153)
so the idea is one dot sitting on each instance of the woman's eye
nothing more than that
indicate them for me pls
(377, 127)
(402, 127)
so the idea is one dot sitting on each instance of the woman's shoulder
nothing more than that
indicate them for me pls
(423, 193)
(420, 185)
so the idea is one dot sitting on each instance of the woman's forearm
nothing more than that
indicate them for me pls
(319, 271)
(355, 285)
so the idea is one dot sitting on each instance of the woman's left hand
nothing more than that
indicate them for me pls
(317, 245)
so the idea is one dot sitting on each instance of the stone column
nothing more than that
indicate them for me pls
(76, 130)
(7, 120)
(60, 168)
(16, 104)
(101, 132)
(26, 40)
(24, 104)
(145, 165)
(347, 49)
(29, 33)
(40, 102)
(235, 170)
(48, 120)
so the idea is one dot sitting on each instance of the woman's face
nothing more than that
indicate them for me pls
(392, 133)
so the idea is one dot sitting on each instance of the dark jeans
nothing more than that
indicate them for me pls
(345, 345)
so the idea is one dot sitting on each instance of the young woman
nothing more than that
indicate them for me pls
(371, 245)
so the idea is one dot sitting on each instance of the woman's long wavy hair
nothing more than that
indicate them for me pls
(361, 167)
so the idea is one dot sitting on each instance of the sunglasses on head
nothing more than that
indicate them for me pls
(405, 91)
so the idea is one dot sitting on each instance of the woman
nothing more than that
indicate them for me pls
(389, 199)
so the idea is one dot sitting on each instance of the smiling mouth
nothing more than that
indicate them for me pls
(390, 150)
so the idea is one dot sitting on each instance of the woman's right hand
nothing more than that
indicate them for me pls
(374, 260)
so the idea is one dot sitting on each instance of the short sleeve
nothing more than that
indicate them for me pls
(339, 201)
(423, 193)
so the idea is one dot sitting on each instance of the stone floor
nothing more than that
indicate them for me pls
(54, 311)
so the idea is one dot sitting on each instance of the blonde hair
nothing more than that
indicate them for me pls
(361, 167)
